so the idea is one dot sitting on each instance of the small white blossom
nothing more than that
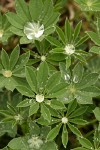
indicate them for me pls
(39, 98)
(7, 73)
(35, 142)
(69, 49)
(64, 120)
(43, 58)
(33, 30)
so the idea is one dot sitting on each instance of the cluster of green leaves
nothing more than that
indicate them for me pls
(55, 85)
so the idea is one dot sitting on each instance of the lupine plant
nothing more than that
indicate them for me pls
(50, 81)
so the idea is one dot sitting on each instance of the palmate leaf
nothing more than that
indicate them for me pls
(14, 20)
(78, 112)
(18, 143)
(33, 108)
(55, 104)
(74, 130)
(77, 31)
(35, 8)
(94, 37)
(5, 59)
(61, 35)
(53, 133)
(25, 91)
(95, 49)
(97, 113)
(78, 72)
(45, 112)
(71, 107)
(53, 80)
(64, 136)
(42, 75)
(31, 78)
(85, 143)
(68, 31)
(88, 80)
(22, 10)
(89, 5)
(14, 57)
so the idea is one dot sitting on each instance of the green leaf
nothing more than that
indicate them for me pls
(71, 107)
(17, 31)
(98, 25)
(95, 49)
(45, 112)
(17, 143)
(42, 75)
(78, 121)
(78, 72)
(5, 59)
(22, 10)
(53, 133)
(14, 20)
(61, 35)
(80, 148)
(80, 111)
(42, 121)
(25, 91)
(57, 50)
(64, 136)
(89, 5)
(87, 80)
(74, 130)
(97, 113)
(23, 59)
(31, 78)
(49, 146)
(58, 90)
(35, 8)
(14, 57)
(68, 62)
(94, 37)
(81, 41)
(77, 31)
(68, 31)
(55, 104)
(85, 143)
(33, 108)
(53, 80)
(25, 103)
(53, 41)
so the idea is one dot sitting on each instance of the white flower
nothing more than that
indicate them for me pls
(69, 49)
(35, 142)
(39, 98)
(7, 73)
(64, 120)
(33, 30)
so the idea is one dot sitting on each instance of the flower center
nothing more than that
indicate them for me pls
(69, 49)
(72, 89)
(39, 98)
(1, 33)
(64, 120)
(7, 73)
(18, 117)
(43, 58)
(35, 142)
(89, 3)
(33, 30)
